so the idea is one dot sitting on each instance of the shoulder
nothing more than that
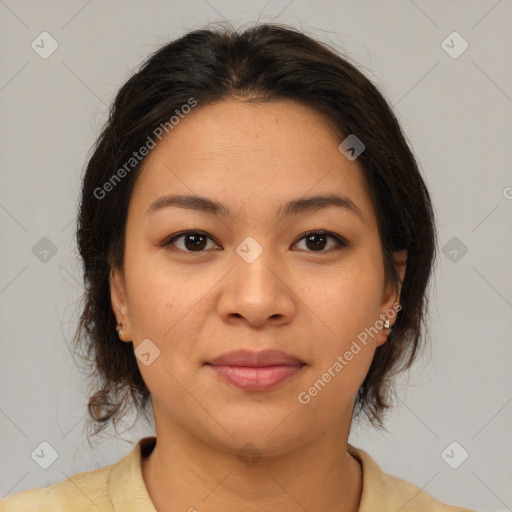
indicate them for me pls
(385, 492)
(119, 486)
(82, 491)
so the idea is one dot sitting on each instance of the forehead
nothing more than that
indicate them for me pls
(252, 155)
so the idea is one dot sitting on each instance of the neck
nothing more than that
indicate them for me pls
(182, 473)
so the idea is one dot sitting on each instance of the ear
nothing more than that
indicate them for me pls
(119, 302)
(391, 296)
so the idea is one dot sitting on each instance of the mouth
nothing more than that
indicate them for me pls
(256, 371)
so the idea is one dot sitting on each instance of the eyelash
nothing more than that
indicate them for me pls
(168, 243)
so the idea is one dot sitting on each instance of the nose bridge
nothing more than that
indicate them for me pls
(253, 266)
(255, 289)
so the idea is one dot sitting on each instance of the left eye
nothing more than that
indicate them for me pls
(318, 240)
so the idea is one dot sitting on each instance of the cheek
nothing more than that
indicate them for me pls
(160, 300)
(151, 283)
(333, 387)
(341, 360)
(347, 299)
(164, 309)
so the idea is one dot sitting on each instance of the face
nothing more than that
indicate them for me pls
(244, 270)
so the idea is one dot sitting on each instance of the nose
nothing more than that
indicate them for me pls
(257, 293)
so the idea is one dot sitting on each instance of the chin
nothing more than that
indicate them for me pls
(260, 438)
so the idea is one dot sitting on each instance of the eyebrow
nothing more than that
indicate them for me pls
(294, 207)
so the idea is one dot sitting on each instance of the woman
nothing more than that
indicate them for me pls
(254, 226)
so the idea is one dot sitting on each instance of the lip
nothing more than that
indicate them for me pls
(256, 371)
(244, 357)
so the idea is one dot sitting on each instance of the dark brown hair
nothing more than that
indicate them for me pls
(266, 62)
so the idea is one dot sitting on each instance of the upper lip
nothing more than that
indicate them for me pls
(251, 358)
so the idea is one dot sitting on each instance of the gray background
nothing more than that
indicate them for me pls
(456, 113)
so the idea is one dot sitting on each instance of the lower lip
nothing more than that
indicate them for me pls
(261, 378)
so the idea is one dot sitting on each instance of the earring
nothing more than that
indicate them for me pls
(119, 328)
(387, 325)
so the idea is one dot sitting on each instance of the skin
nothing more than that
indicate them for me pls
(195, 306)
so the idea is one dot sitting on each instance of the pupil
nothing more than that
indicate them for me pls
(316, 245)
(197, 241)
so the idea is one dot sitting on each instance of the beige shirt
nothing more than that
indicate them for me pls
(120, 487)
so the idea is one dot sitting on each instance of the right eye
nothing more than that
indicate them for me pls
(189, 241)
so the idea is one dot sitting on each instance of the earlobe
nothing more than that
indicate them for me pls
(391, 299)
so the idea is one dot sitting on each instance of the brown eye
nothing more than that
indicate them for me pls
(191, 241)
(317, 241)
(195, 242)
